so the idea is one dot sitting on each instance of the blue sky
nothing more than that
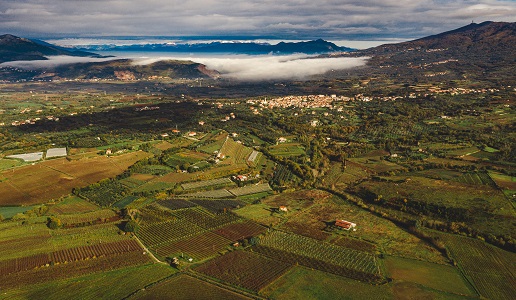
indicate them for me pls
(292, 19)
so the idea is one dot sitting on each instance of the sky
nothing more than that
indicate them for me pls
(289, 19)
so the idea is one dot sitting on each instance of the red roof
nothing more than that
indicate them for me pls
(344, 224)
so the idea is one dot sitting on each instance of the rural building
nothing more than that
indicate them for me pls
(283, 208)
(345, 225)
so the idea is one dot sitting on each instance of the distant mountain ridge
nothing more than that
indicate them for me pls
(319, 46)
(13, 48)
(487, 36)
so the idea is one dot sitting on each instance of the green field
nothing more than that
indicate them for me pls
(184, 287)
(116, 284)
(440, 277)
(303, 283)
(8, 212)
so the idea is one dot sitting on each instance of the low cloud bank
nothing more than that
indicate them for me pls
(237, 67)
(258, 68)
(53, 61)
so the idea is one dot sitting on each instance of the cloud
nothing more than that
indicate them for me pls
(53, 61)
(269, 67)
(290, 18)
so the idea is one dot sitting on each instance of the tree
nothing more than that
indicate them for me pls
(131, 226)
(54, 223)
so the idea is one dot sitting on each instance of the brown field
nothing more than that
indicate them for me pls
(55, 178)
(238, 231)
(198, 247)
(245, 269)
(184, 287)
(163, 145)
(73, 269)
(72, 205)
(176, 177)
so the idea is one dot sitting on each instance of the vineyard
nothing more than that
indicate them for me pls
(184, 287)
(104, 193)
(156, 234)
(477, 178)
(222, 193)
(67, 255)
(70, 270)
(244, 269)
(199, 247)
(283, 176)
(235, 151)
(205, 183)
(490, 269)
(72, 205)
(204, 219)
(239, 231)
(251, 189)
(89, 217)
(219, 206)
(174, 204)
(355, 244)
(312, 253)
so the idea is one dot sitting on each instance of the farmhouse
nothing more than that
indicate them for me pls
(345, 225)
(283, 208)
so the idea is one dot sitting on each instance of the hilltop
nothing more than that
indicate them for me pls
(13, 48)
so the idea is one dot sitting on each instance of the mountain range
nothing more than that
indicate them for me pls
(484, 50)
(13, 48)
(309, 47)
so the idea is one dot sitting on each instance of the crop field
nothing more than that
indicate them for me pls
(239, 231)
(163, 145)
(177, 177)
(215, 143)
(134, 181)
(70, 270)
(104, 194)
(87, 217)
(377, 165)
(125, 202)
(355, 244)
(260, 213)
(244, 269)
(9, 163)
(174, 204)
(8, 212)
(219, 206)
(116, 284)
(159, 233)
(504, 181)
(67, 255)
(440, 277)
(94, 169)
(154, 213)
(283, 176)
(205, 183)
(185, 287)
(52, 179)
(153, 186)
(251, 189)
(490, 269)
(339, 177)
(83, 236)
(361, 263)
(304, 283)
(72, 205)
(476, 179)
(287, 150)
(205, 219)
(18, 241)
(189, 157)
(214, 194)
(198, 247)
